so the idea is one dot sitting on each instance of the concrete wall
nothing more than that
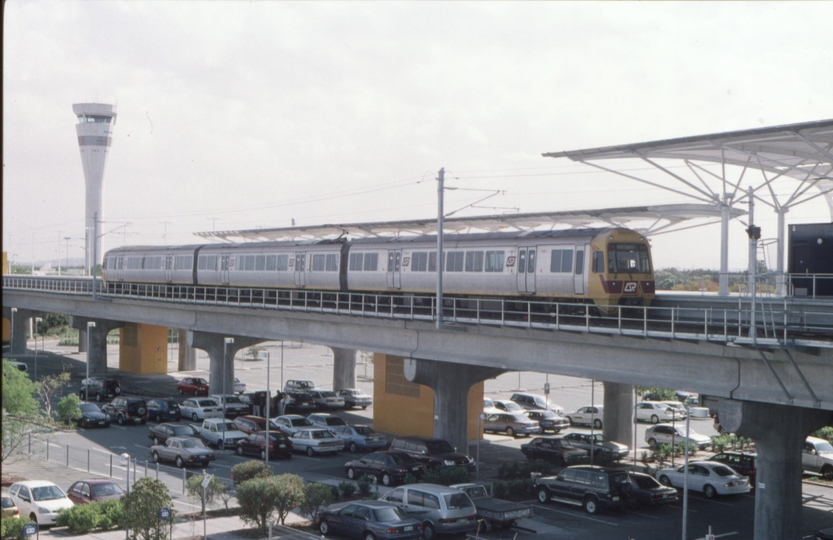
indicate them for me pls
(143, 348)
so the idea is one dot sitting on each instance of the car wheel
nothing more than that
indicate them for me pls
(179, 462)
(263, 455)
(156, 457)
(591, 505)
(386, 479)
(354, 447)
(351, 473)
(221, 445)
(709, 491)
(654, 419)
(194, 417)
(33, 517)
(81, 396)
(196, 392)
(156, 441)
(181, 392)
(120, 420)
(428, 531)
(569, 419)
(510, 432)
(324, 527)
(239, 450)
(310, 451)
(652, 442)
(664, 480)
(543, 495)
(369, 536)
(364, 407)
(158, 418)
(98, 397)
(827, 472)
(597, 424)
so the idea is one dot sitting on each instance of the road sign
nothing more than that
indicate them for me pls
(164, 513)
(206, 480)
(29, 529)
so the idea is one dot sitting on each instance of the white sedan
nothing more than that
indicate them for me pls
(587, 416)
(200, 408)
(39, 500)
(316, 441)
(710, 477)
(239, 386)
(657, 411)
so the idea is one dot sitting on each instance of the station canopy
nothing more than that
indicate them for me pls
(648, 220)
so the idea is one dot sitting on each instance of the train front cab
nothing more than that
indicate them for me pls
(622, 271)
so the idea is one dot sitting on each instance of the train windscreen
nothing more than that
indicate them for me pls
(628, 258)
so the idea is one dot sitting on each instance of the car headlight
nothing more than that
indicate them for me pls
(43, 510)
(107, 416)
(448, 462)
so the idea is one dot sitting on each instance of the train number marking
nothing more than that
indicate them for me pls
(630, 287)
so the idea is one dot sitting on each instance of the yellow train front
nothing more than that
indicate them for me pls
(621, 272)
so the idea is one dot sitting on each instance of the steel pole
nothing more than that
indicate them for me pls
(37, 321)
(685, 475)
(440, 188)
(268, 403)
(90, 326)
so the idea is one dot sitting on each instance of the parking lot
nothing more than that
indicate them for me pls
(730, 517)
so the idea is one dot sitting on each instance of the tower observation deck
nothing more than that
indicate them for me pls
(94, 129)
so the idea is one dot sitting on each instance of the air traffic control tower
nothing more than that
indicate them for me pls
(94, 129)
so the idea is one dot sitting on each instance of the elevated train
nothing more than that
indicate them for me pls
(606, 267)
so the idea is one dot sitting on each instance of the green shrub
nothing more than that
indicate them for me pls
(500, 489)
(81, 518)
(346, 489)
(409, 479)
(825, 433)
(69, 408)
(316, 497)
(260, 498)
(446, 475)
(13, 527)
(509, 470)
(365, 483)
(111, 515)
(141, 509)
(213, 491)
(249, 470)
(335, 492)
(521, 488)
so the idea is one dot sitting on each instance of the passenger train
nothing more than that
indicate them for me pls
(607, 267)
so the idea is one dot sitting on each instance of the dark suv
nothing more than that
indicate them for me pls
(432, 452)
(125, 409)
(593, 488)
(100, 389)
(740, 461)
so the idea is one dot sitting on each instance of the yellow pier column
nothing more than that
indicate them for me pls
(143, 348)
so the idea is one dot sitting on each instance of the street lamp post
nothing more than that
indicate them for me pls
(268, 404)
(11, 338)
(90, 326)
(228, 341)
(37, 322)
(685, 475)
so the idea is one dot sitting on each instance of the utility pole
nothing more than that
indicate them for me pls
(440, 188)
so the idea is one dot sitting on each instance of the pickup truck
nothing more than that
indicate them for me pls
(219, 432)
(495, 513)
(818, 457)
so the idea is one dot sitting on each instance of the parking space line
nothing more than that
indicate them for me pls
(575, 515)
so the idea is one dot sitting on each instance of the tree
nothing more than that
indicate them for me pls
(141, 509)
(249, 470)
(214, 490)
(50, 386)
(20, 410)
(69, 408)
(261, 497)
(316, 497)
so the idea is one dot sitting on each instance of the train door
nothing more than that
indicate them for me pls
(169, 268)
(394, 268)
(578, 276)
(526, 269)
(120, 268)
(300, 269)
(224, 268)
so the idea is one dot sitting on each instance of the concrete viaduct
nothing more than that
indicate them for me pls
(775, 395)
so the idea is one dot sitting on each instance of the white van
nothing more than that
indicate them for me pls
(442, 509)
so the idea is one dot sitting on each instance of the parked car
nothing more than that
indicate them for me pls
(92, 416)
(220, 432)
(162, 432)
(587, 416)
(39, 500)
(656, 412)
(100, 389)
(315, 441)
(192, 385)
(710, 477)
(432, 452)
(590, 487)
(554, 450)
(294, 385)
(507, 405)
(548, 420)
(536, 402)
(326, 399)
(233, 405)
(513, 424)
(164, 410)
(182, 451)
(299, 402)
(255, 444)
(442, 509)
(599, 443)
(96, 489)
(669, 434)
(817, 457)
(388, 467)
(9, 509)
(249, 424)
(290, 423)
(200, 408)
(494, 513)
(127, 410)
(646, 491)
(239, 386)
(359, 437)
(742, 462)
(21, 366)
(369, 520)
(325, 420)
(489, 406)
(354, 397)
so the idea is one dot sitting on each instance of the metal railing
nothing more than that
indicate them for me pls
(776, 322)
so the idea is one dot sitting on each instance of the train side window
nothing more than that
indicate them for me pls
(250, 263)
(432, 261)
(598, 262)
(356, 260)
(260, 263)
(454, 261)
(522, 261)
(555, 260)
(283, 263)
(332, 262)
(474, 261)
(371, 262)
(419, 261)
(494, 261)
(271, 263)
(567, 261)
(317, 263)
(530, 261)
(579, 262)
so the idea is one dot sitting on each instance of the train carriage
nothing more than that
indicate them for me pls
(150, 264)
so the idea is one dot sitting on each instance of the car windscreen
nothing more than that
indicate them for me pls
(322, 435)
(89, 407)
(402, 458)
(723, 471)
(300, 422)
(47, 493)
(824, 448)
(200, 381)
(173, 405)
(183, 430)
(328, 393)
(100, 490)
(457, 500)
(388, 515)
(439, 447)
(335, 421)
(232, 399)
(208, 403)
(645, 482)
(363, 430)
(192, 443)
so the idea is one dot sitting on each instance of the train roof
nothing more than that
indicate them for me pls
(516, 235)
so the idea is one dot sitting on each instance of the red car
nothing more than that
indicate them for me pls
(193, 386)
(249, 424)
(279, 445)
(87, 491)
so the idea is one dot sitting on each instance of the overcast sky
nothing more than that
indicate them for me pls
(237, 114)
